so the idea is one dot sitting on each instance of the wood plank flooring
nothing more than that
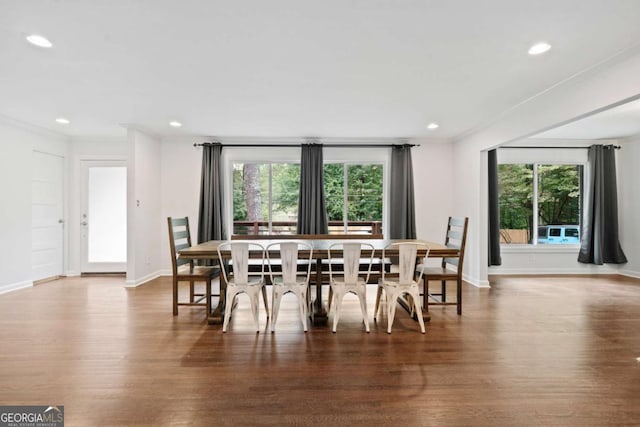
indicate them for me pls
(536, 351)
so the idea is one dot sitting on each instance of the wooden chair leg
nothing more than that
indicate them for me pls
(208, 297)
(175, 296)
(425, 293)
(444, 291)
(459, 296)
(191, 292)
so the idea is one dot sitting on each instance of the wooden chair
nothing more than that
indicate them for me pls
(407, 282)
(450, 269)
(185, 270)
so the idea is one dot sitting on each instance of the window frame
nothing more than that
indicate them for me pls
(544, 156)
(345, 186)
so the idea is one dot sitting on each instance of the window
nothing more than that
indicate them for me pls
(354, 197)
(265, 197)
(540, 203)
(263, 189)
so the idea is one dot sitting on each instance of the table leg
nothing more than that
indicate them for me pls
(318, 312)
(217, 314)
(426, 316)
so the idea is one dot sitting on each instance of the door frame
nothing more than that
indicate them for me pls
(84, 164)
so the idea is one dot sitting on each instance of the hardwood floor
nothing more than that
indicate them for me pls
(538, 351)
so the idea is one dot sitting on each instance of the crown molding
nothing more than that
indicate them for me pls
(141, 128)
(99, 139)
(38, 130)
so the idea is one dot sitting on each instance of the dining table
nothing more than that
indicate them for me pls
(209, 251)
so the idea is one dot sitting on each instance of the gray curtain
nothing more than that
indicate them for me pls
(402, 212)
(211, 214)
(494, 211)
(599, 243)
(312, 209)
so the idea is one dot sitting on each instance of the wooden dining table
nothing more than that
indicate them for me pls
(209, 251)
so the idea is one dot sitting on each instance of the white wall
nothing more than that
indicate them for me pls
(614, 81)
(433, 182)
(144, 201)
(470, 199)
(180, 182)
(628, 162)
(17, 144)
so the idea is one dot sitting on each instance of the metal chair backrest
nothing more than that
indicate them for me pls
(351, 259)
(240, 254)
(289, 257)
(407, 256)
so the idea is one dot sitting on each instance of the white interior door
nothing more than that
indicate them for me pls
(104, 217)
(47, 216)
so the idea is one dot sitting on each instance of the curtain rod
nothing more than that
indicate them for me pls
(617, 147)
(300, 145)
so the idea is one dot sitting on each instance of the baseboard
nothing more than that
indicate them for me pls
(104, 274)
(142, 280)
(15, 286)
(476, 282)
(629, 273)
(551, 271)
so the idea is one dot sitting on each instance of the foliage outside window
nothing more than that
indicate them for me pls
(540, 203)
(360, 200)
(265, 197)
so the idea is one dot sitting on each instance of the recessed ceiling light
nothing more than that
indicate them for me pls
(63, 121)
(39, 41)
(175, 124)
(433, 126)
(539, 48)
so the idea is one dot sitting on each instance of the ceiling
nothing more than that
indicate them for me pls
(292, 68)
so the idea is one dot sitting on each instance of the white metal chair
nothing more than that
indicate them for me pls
(288, 279)
(406, 284)
(239, 279)
(349, 280)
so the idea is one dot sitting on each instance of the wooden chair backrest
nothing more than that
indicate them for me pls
(179, 238)
(456, 238)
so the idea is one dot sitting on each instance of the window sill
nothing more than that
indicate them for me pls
(546, 249)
